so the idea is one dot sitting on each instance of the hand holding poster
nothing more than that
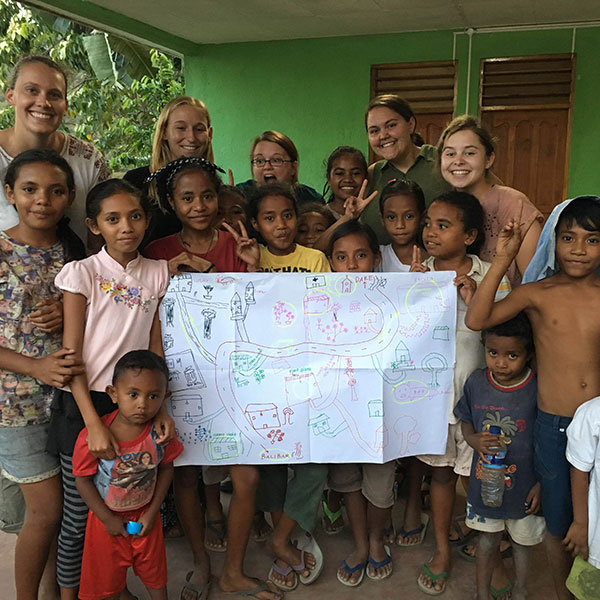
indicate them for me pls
(326, 368)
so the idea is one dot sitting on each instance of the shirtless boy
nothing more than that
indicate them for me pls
(563, 310)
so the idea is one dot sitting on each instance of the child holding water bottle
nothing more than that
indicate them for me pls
(503, 397)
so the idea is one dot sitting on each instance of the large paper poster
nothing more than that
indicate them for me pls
(300, 367)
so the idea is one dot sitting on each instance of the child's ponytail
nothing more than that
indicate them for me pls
(73, 247)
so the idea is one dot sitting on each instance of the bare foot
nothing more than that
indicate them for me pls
(389, 534)
(380, 562)
(352, 560)
(227, 584)
(214, 535)
(260, 528)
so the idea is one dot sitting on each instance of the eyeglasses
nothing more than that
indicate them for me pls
(274, 162)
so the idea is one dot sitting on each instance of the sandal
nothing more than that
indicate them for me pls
(377, 564)
(434, 578)
(461, 537)
(350, 571)
(466, 555)
(330, 517)
(200, 591)
(275, 568)
(499, 593)
(218, 527)
(418, 533)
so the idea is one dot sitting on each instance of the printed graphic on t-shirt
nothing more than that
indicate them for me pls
(127, 482)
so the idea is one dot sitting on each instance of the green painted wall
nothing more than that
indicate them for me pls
(315, 91)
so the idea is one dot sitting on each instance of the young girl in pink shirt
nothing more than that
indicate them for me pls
(111, 307)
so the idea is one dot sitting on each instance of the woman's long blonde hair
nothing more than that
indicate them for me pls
(161, 155)
(160, 149)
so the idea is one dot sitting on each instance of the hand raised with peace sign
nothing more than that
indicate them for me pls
(512, 235)
(247, 247)
(355, 205)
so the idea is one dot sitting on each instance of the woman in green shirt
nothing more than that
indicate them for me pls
(391, 125)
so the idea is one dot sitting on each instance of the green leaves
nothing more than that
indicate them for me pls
(117, 87)
(100, 57)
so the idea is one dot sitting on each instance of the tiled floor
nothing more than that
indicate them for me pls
(401, 585)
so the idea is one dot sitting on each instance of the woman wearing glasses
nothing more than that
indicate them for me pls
(273, 157)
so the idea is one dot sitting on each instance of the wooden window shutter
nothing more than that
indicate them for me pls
(526, 103)
(530, 81)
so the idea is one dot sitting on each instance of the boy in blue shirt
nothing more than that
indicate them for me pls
(503, 394)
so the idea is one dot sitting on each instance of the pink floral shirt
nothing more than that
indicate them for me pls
(120, 307)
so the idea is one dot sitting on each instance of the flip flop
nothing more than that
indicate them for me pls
(255, 591)
(331, 517)
(275, 568)
(381, 563)
(461, 538)
(350, 571)
(434, 577)
(390, 531)
(498, 593)
(219, 532)
(464, 554)
(200, 591)
(419, 531)
(309, 545)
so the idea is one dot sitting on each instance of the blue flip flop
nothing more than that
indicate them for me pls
(378, 564)
(350, 571)
(419, 531)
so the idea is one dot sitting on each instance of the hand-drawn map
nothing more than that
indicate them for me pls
(328, 368)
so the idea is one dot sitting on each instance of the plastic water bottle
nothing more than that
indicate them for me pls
(492, 473)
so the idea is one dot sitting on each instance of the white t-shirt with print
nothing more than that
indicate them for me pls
(583, 452)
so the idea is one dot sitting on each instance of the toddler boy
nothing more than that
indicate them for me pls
(130, 487)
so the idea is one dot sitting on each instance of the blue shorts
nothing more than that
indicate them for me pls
(553, 471)
(23, 456)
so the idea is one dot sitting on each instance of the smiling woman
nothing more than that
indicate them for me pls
(38, 92)
(391, 126)
(183, 129)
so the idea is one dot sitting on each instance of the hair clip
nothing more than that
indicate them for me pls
(171, 169)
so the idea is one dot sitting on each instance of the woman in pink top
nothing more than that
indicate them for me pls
(466, 151)
(111, 304)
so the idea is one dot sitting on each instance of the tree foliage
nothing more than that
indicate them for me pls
(117, 87)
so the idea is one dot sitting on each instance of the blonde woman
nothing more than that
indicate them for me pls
(183, 129)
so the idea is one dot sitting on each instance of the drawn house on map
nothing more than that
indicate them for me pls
(262, 416)
(375, 408)
(403, 359)
(187, 407)
(183, 371)
(346, 285)
(224, 446)
(319, 425)
(315, 303)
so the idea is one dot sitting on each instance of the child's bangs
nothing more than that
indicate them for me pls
(583, 211)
